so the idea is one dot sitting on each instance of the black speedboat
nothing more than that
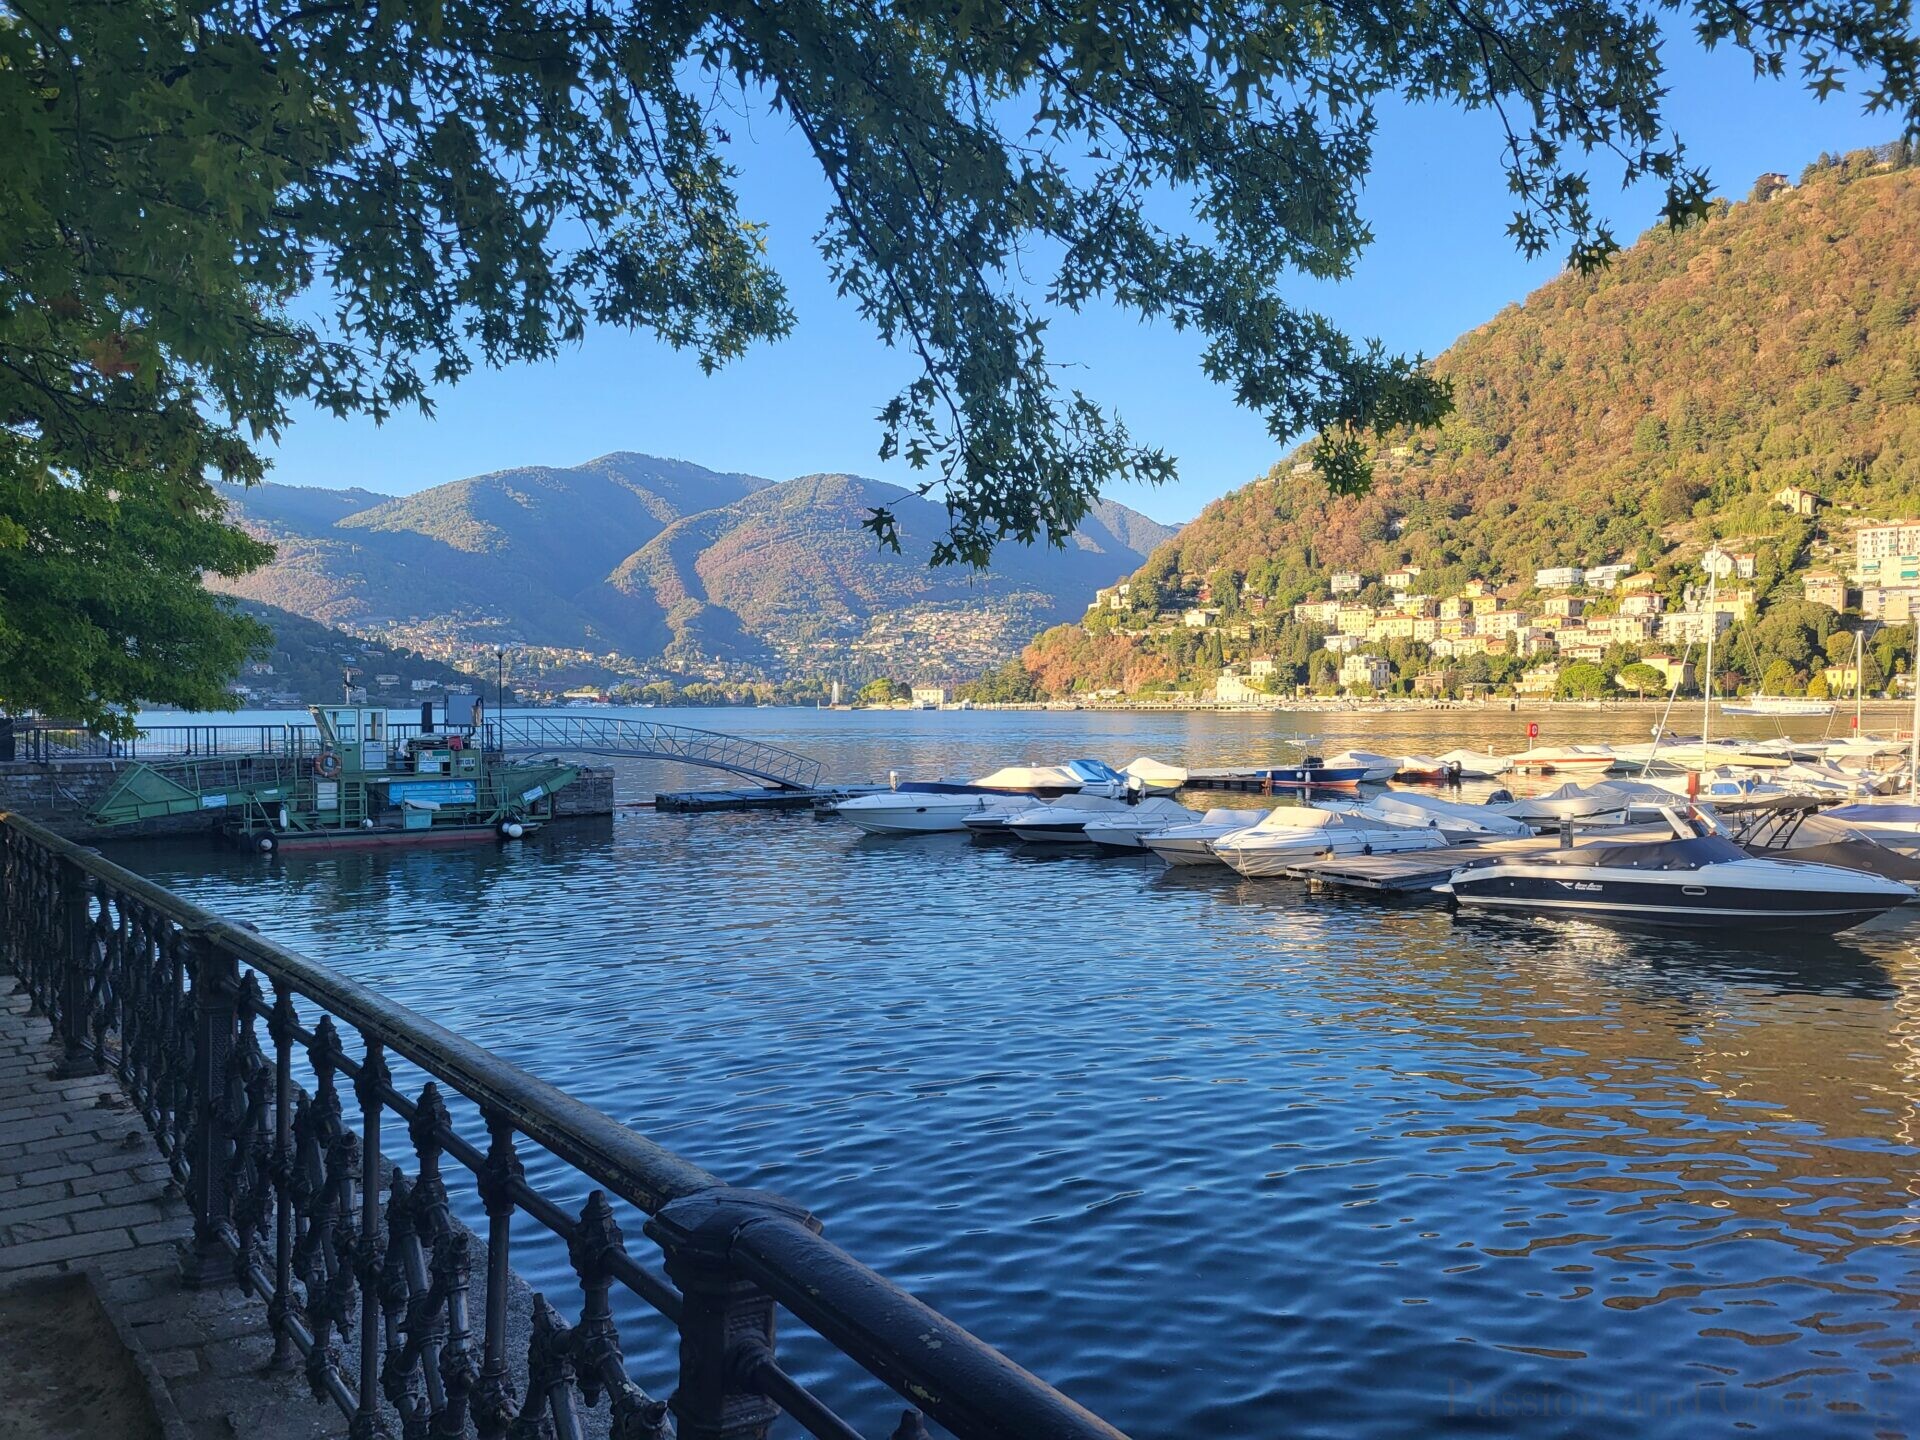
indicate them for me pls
(1699, 879)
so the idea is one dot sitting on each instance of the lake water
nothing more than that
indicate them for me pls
(1217, 1157)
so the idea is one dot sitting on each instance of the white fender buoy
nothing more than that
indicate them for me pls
(512, 829)
(266, 844)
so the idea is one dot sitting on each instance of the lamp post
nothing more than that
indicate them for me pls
(500, 681)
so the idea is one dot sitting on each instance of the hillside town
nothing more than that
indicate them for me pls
(1577, 631)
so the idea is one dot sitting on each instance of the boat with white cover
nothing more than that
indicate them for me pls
(1374, 769)
(1699, 879)
(1475, 764)
(1064, 821)
(920, 812)
(1291, 834)
(1192, 843)
(1893, 821)
(1599, 758)
(1454, 819)
(1155, 776)
(1130, 831)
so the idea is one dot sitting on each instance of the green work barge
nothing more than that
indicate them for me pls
(353, 782)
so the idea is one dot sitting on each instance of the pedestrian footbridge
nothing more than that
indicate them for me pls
(623, 738)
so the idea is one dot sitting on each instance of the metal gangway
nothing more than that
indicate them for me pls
(649, 740)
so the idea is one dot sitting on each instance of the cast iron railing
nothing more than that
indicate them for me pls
(366, 1272)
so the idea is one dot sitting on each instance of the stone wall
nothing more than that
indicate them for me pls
(591, 794)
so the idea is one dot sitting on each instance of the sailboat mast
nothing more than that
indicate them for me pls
(1713, 624)
(1859, 676)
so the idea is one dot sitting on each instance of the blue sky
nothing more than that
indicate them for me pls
(1440, 265)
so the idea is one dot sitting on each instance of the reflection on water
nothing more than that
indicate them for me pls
(1220, 1157)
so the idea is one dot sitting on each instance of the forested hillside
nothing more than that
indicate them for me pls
(1633, 415)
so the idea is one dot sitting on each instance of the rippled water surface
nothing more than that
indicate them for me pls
(1218, 1157)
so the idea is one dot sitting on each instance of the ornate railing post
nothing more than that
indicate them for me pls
(726, 1321)
(494, 1404)
(215, 976)
(280, 1307)
(76, 968)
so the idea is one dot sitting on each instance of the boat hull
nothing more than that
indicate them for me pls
(1185, 850)
(1314, 777)
(1051, 832)
(1624, 901)
(930, 817)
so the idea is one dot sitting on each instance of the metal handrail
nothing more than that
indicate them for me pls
(286, 1195)
(648, 739)
(518, 734)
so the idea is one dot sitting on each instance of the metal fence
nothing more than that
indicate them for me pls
(366, 1274)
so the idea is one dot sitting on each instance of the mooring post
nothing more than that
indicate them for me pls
(215, 975)
(726, 1321)
(76, 966)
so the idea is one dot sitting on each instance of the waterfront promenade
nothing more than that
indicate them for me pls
(85, 1194)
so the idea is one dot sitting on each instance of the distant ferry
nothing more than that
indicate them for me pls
(1776, 705)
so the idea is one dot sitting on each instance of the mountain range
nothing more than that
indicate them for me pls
(1634, 414)
(631, 564)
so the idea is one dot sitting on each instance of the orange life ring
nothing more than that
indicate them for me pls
(327, 765)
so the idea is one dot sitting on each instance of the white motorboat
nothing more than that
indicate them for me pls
(1454, 819)
(1130, 831)
(1291, 834)
(1064, 822)
(1806, 834)
(1590, 758)
(1192, 843)
(921, 812)
(1698, 878)
(1076, 777)
(993, 822)
(1776, 705)
(1575, 802)
(1892, 821)
(1155, 777)
(1475, 764)
(1372, 768)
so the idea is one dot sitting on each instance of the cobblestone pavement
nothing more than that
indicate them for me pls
(82, 1187)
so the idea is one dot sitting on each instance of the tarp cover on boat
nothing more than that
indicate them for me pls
(1645, 855)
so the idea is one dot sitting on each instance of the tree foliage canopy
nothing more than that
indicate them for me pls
(211, 213)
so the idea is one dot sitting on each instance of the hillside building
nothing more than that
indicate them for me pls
(1643, 602)
(1824, 587)
(1401, 579)
(1354, 619)
(1693, 626)
(1873, 544)
(1261, 667)
(1890, 604)
(1365, 670)
(1797, 500)
(1559, 577)
(1607, 577)
(1235, 689)
(1346, 582)
(1567, 607)
(1672, 670)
